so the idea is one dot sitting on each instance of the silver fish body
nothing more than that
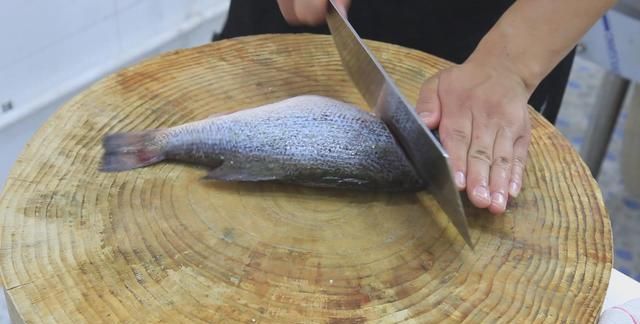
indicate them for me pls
(306, 140)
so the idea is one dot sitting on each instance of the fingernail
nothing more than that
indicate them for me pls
(482, 193)
(497, 198)
(513, 189)
(459, 177)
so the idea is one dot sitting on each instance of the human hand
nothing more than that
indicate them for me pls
(308, 12)
(481, 114)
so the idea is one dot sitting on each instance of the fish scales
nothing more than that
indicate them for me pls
(307, 140)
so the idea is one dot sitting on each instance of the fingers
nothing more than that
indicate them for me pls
(309, 12)
(520, 148)
(454, 124)
(455, 133)
(428, 104)
(483, 122)
(479, 164)
(500, 173)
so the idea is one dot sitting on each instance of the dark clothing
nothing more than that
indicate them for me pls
(448, 29)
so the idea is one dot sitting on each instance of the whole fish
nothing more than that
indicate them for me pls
(306, 140)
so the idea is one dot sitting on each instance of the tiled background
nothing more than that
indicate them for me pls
(49, 42)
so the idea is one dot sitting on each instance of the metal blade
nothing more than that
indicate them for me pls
(423, 149)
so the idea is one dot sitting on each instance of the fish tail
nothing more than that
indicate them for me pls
(126, 151)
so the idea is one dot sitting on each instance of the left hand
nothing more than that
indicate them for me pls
(481, 114)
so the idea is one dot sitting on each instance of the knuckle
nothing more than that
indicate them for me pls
(460, 135)
(481, 155)
(456, 136)
(518, 162)
(501, 162)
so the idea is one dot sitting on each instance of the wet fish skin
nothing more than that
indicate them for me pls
(307, 140)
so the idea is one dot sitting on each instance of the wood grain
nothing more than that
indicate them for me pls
(159, 245)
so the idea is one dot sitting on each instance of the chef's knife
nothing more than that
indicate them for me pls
(425, 152)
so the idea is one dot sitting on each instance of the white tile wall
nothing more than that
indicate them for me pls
(45, 42)
(28, 27)
(41, 69)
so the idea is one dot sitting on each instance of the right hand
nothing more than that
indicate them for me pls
(481, 112)
(309, 12)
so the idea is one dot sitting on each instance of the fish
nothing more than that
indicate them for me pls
(307, 140)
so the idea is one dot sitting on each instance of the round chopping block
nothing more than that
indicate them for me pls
(158, 244)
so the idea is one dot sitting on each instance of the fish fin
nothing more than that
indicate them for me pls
(227, 172)
(126, 151)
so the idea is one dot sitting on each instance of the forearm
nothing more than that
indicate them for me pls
(534, 35)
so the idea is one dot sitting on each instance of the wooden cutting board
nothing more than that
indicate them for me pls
(160, 245)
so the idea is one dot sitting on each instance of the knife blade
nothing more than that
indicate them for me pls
(428, 157)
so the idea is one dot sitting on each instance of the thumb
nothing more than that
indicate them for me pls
(428, 105)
